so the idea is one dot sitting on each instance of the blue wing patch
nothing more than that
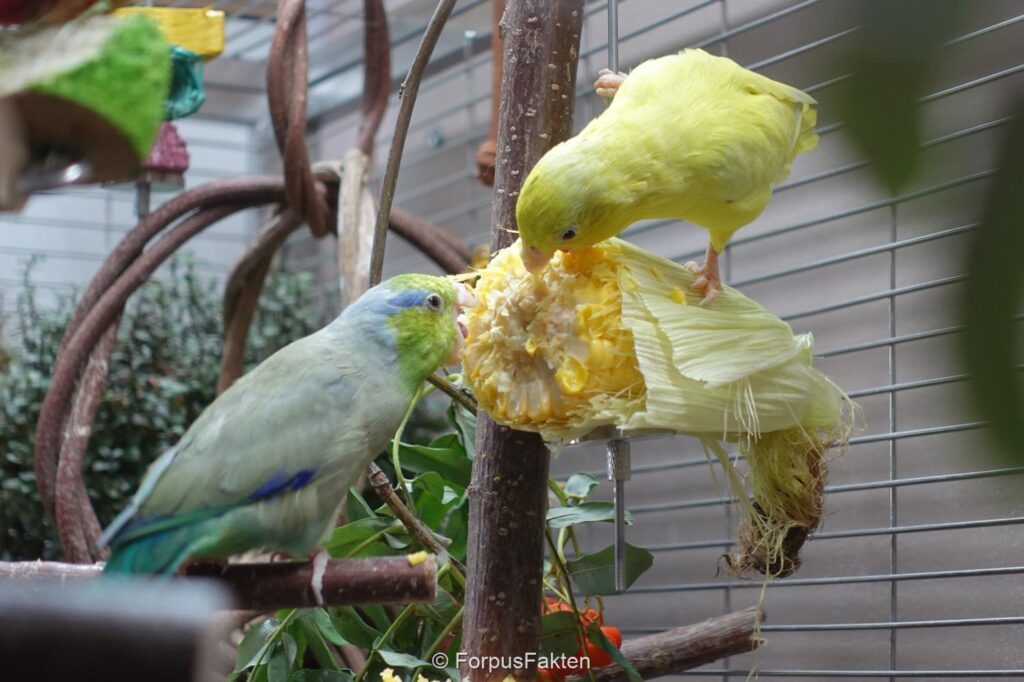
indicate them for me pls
(281, 482)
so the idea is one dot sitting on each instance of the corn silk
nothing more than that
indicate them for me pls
(613, 336)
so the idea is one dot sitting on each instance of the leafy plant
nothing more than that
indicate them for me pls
(304, 644)
(162, 374)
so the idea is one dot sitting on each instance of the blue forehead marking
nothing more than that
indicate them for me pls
(410, 298)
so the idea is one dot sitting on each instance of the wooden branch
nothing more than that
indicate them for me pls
(356, 214)
(346, 582)
(267, 587)
(508, 492)
(376, 477)
(685, 648)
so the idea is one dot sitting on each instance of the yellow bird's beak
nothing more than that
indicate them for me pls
(534, 259)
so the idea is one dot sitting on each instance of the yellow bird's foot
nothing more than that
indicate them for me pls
(709, 279)
(608, 82)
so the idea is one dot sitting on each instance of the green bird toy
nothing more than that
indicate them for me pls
(269, 462)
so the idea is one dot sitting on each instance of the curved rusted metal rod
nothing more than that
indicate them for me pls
(377, 70)
(287, 93)
(77, 525)
(245, 284)
(247, 191)
(96, 321)
(407, 94)
(243, 289)
(64, 423)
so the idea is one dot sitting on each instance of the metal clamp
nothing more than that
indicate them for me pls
(619, 471)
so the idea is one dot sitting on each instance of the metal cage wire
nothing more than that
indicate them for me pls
(913, 574)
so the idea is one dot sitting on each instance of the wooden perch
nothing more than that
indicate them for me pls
(267, 587)
(685, 648)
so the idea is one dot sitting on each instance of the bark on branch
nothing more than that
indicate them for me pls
(266, 587)
(508, 493)
(685, 648)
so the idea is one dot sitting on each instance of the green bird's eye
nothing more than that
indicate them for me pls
(569, 234)
(433, 301)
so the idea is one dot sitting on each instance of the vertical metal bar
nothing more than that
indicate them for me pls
(143, 196)
(619, 464)
(727, 601)
(613, 35)
(893, 473)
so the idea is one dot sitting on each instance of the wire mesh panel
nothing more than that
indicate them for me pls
(916, 571)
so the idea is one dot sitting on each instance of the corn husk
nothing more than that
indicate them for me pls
(614, 335)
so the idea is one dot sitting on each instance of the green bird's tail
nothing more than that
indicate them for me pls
(159, 553)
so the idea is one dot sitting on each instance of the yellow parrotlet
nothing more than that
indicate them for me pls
(689, 136)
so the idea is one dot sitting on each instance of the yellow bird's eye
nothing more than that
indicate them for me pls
(569, 234)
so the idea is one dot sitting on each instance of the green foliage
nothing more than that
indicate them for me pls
(594, 574)
(162, 374)
(892, 62)
(437, 475)
(993, 296)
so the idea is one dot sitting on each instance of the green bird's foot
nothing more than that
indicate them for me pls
(608, 82)
(709, 279)
(316, 583)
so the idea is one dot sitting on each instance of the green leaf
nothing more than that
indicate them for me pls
(445, 456)
(378, 615)
(594, 574)
(356, 507)
(313, 625)
(325, 626)
(559, 634)
(351, 626)
(892, 60)
(322, 676)
(354, 539)
(992, 299)
(277, 666)
(251, 646)
(400, 660)
(462, 420)
(586, 512)
(595, 635)
(579, 485)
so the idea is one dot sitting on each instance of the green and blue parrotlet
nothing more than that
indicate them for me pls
(269, 462)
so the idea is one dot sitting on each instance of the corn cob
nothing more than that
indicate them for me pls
(613, 335)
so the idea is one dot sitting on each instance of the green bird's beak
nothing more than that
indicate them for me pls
(464, 298)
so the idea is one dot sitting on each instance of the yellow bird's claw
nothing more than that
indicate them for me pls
(608, 82)
(711, 295)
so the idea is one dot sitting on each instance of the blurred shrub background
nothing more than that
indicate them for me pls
(162, 374)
